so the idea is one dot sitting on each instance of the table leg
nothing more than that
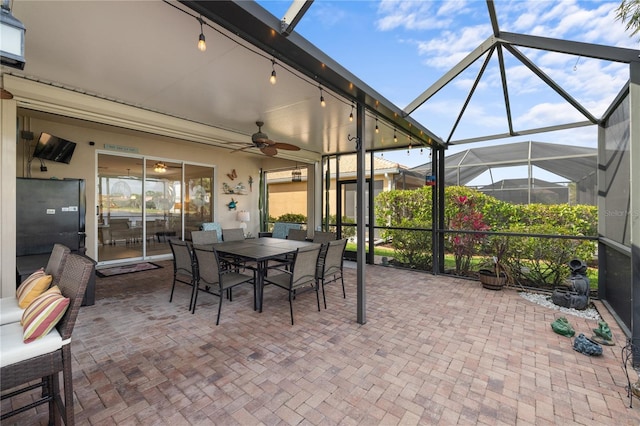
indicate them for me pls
(260, 284)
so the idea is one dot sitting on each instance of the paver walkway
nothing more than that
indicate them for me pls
(434, 350)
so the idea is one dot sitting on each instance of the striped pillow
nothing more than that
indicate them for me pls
(32, 287)
(43, 314)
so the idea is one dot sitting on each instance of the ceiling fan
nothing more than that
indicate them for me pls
(267, 146)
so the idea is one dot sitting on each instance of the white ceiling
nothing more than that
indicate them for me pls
(143, 53)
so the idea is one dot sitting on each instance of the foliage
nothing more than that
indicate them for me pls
(347, 231)
(465, 217)
(629, 13)
(394, 207)
(544, 261)
(412, 248)
(292, 218)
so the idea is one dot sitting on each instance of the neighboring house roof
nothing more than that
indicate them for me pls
(348, 167)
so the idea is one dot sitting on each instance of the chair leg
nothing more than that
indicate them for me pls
(324, 298)
(344, 294)
(317, 295)
(291, 305)
(51, 387)
(173, 287)
(68, 411)
(194, 297)
(219, 309)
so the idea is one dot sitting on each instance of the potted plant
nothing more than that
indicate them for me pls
(498, 276)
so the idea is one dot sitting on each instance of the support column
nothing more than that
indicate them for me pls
(634, 194)
(8, 138)
(360, 216)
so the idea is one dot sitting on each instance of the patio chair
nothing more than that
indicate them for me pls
(199, 238)
(10, 311)
(300, 275)
(323, 237)
(233, 234)
(49, 353)
(214, 279)
(297, 234)
(281, 229)
(330, 266)
(184, 266)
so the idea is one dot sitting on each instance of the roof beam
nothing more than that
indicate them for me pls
(523, 132)
(493, 18)
(451, 74)
(295, 13)
(471, 92)
(537, 71)
(588, 50)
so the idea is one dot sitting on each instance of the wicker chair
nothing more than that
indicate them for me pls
(214, 279)
(330, 265)
(184, 266)
(301, 274)
(43, 359)
(9, 309)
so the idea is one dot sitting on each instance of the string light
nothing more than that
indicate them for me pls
(351, 115)
(377, 128)
(272, 79)
(322, 102)
(395, 137)
(202, 45)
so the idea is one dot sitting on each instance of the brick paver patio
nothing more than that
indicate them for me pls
(435, 350)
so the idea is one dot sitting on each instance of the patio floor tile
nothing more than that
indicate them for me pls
(435, 350)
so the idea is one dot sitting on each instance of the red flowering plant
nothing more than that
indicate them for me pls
(464, 245)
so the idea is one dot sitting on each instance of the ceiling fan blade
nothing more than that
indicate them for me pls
(286, 146)
(243, 148)
(269, 150)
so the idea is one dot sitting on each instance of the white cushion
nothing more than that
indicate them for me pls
(13, 349)
(9, 310)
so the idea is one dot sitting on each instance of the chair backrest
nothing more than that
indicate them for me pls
(204, 237)
(304, 265)
(323, 237)
(281, 229)
(297, 234)
(75, 275)
(56, 262)
(183, 259)
(212, 226)
(334, 259)
(233, 234)
(208, 265)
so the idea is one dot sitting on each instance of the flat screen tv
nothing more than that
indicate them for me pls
(53, 148)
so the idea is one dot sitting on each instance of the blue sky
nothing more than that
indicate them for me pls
(400, 48)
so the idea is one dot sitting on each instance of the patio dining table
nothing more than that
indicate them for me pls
(261, 251)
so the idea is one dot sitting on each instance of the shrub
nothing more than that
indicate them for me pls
(412, 248)
(544, 261)
(347, 231)
(292, 218)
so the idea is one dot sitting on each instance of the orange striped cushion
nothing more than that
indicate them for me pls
(32, 287)
(43, 314)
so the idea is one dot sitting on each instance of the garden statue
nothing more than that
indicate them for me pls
(578, 295)
(602, 334)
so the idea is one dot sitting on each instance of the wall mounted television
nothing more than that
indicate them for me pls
(53, 148)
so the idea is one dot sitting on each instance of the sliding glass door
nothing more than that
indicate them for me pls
(142, 204)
